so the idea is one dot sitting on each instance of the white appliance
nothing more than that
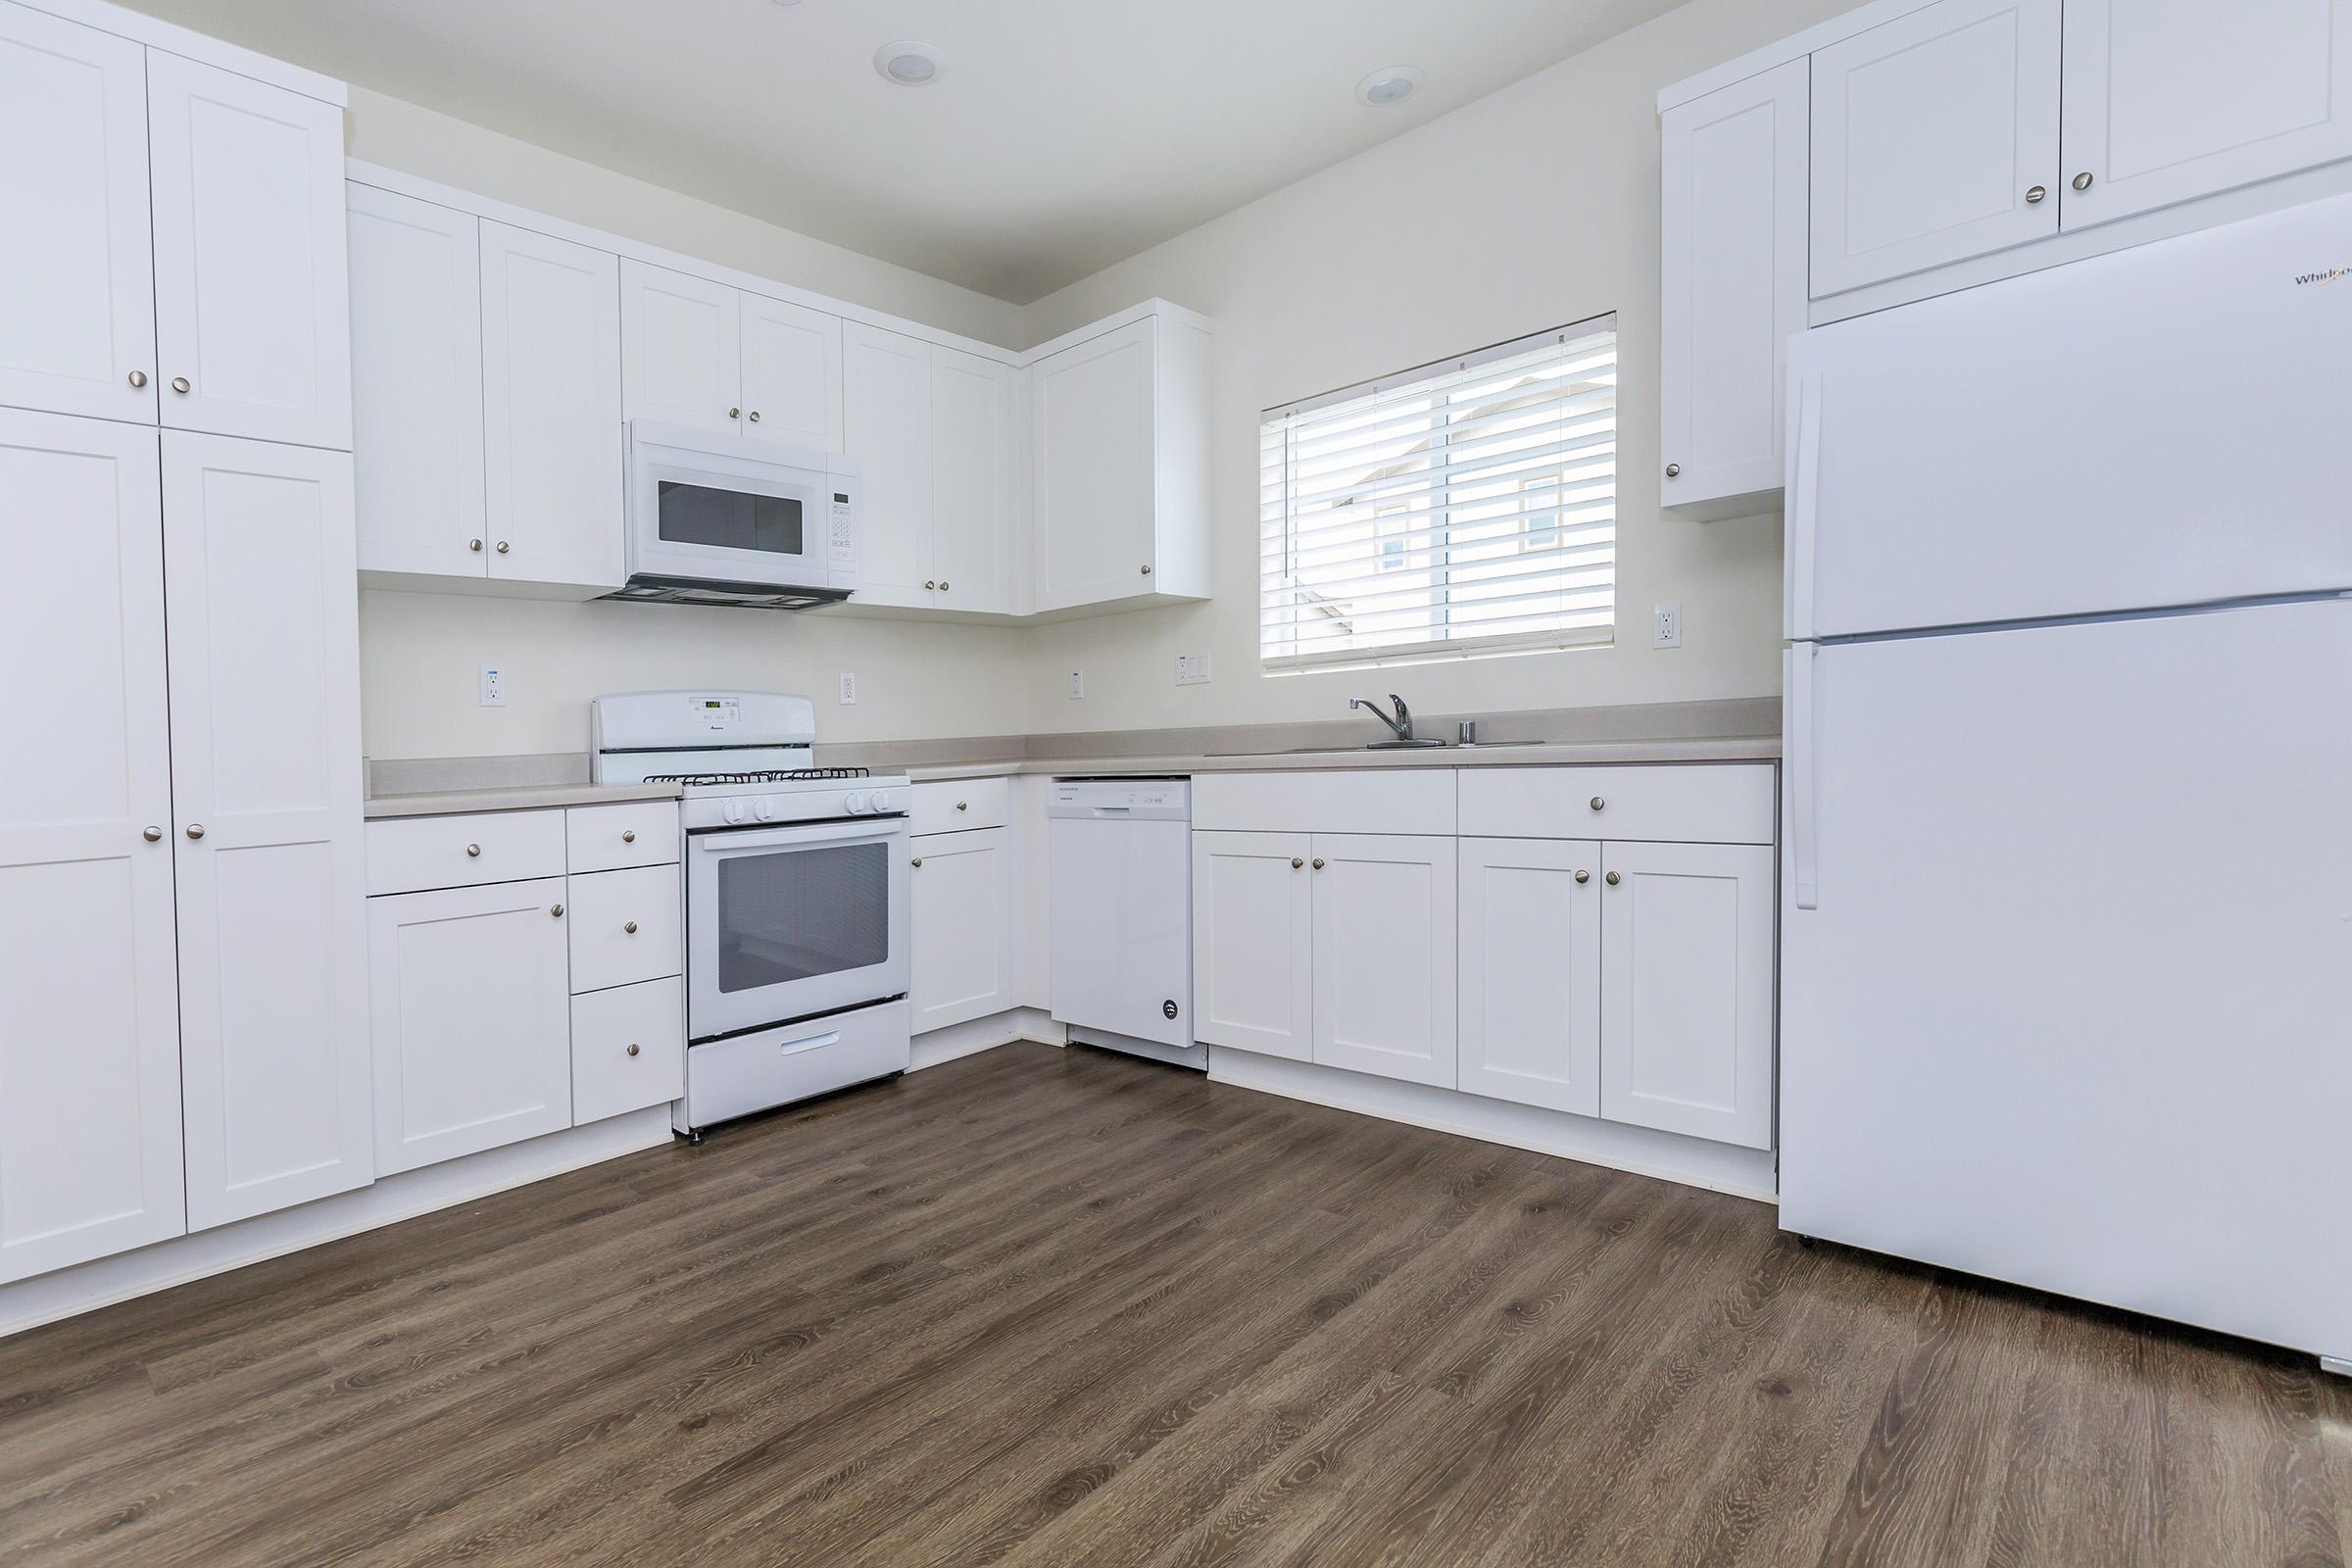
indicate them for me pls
(796, 887)
(1122, 914)
(2067, 902)
(720, 521)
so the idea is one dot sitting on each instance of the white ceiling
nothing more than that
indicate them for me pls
(1064, 135)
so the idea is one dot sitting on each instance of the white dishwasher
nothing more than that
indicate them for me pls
(1122, 914)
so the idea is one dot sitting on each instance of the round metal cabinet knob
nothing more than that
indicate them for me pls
(474, 851)
(962, 806)
(630, 926)
(556, 909)
(943, 585)
(2082, 180)
(734, 413)
(917, 863)
(179, 383)
(2034, 196)
(632, 1047)
(138, 378)
(1318, 863)
(1612, 879)
(1599, 802)
(502, 547)
(628, 835)
(928, 586)
(1147, 571)
(1295, 862)
(154, 835)
(754, 416)
(474, 545)
(1674, 471)
(1583, 878)
(195, 830)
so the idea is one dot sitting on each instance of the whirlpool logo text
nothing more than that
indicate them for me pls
(2303, 279)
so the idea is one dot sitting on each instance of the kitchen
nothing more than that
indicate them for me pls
(1591, 958)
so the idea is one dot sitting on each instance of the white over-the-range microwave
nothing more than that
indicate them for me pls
(718, 520)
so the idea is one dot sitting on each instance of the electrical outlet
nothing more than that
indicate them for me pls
(494, 686)
(848, 689)
(1077, 684)
(1666, 625)
(1192, 670)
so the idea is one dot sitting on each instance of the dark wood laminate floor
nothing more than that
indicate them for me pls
(1059, 1307)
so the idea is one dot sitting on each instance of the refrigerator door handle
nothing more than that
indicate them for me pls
(1804, 503)
(1804, 852)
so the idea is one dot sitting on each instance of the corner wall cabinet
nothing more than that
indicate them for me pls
(1921, 146)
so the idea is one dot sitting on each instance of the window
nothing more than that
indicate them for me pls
(1455, 510)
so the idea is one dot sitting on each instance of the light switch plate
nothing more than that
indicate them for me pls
(1192, 670)
(1077, 684)
(848, 689)
(494, 686)
(1666, 625)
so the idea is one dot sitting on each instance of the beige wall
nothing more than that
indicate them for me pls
(420, 654)
(1369, 267)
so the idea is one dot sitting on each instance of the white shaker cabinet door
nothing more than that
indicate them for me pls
(472, 1010)
(2169, 100)
(551, 406)
(263, 638)
(886, 425)
(1093, 448)
(1686, 989)
(975, 456)
(252, 300)
(964, 918)
(791, 374)
(1530, 927)
(417, 385)
(89, 1021)
(1385, 959)
(1254, 943)
(681, 348)
(1934, 139)
(78, 330)
(1732, 284)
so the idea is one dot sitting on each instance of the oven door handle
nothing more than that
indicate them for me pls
(818, 833)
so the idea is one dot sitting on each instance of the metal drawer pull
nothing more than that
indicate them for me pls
(2034, 197)
(632, 1047)
(630, 927)
(153, 834)
(734, 413)
(628, 835)
(138, 378)
(754, 416)
(962, 806)
(502, 547)
(179, 383)
(474, 545)
(1318, 863)
(195, 830)
(1583, 878)
(1612, 879)
(918, 862)
(556, 910)
(1598, 802)
(1297, 863)
(474, 851)
(2082, 180)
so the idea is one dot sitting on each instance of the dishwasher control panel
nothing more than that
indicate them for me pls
(1154, 799)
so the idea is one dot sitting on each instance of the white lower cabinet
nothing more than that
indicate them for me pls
(1530, 942)
(471, 997)
(1384, 952)
(963, 921)
(628, 1048)
(1253, 942)
(625, 927)
(1686, 956)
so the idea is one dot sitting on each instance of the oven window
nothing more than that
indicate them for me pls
(729, 519)
(795, 914)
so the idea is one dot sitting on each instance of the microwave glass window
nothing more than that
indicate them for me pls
(792, 914)
(729, 519)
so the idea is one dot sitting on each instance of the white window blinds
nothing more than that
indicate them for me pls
(1459, 508)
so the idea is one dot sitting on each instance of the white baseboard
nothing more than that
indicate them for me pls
(960, 1040)
(1669, 1156)
(104, 1280)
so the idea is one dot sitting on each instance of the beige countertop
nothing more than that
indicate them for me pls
(1719, 749)
(512, 798)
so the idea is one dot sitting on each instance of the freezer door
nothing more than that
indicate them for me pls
(2161, 426)
(2070, 1005)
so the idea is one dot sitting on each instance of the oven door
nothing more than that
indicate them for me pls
(737, 517)
(788, 921)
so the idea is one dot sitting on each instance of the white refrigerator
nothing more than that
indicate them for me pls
(2067, 881)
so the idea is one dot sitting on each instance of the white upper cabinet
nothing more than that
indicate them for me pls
(417, 385)
(792, 390)
(551, 403)
(1934, 139)
(886, 384)
(976, 410)
(1732, 176)
(1119, 463)
(2168, 100)
(681, 350)
(263, 641)
(78, 333)
(253, 319)
(89, 1026)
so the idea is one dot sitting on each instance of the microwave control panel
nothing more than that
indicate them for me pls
(842, 555)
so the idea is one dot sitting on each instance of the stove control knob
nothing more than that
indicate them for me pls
(881, 801)
(765, 808)
(853, 802)
(734, 811)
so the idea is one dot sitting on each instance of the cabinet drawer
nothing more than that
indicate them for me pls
(950, 805)
(1395, 800)
(1694, 803)
(611, 838)
(628, 1048)
(412, 854)
(625, 927)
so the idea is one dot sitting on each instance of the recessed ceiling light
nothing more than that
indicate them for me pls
(910, 63)
(1390, 84)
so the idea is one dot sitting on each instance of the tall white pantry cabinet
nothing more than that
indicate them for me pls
(183, 942)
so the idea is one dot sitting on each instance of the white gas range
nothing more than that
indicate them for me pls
(796, 885)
